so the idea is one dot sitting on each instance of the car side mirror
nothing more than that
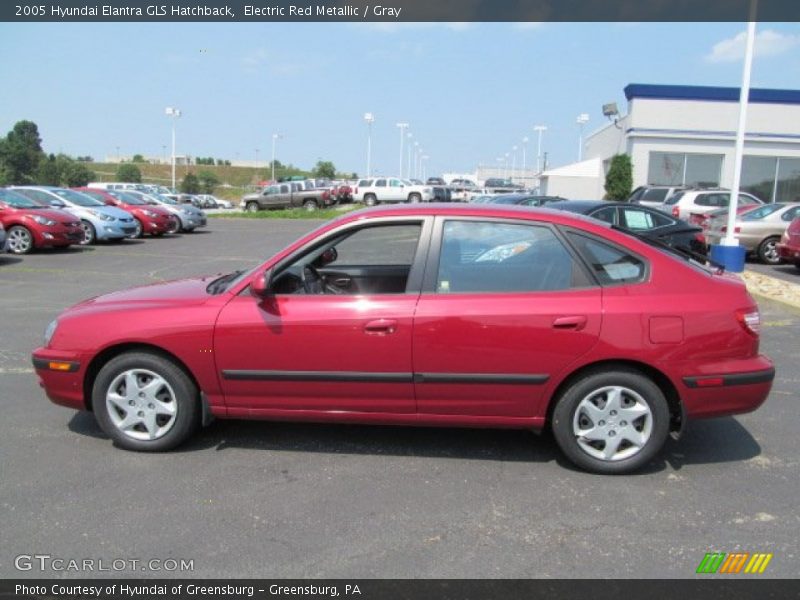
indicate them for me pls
(260, 284)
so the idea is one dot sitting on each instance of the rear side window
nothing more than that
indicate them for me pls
(791, 214)
(380, 183)
(712, 200)
(655, 195)
(491, 257)
(610, 264)
(643, 220)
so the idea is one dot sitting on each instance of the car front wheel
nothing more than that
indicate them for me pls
(20, 240)
(145, 402)
(370, 200)
(611, 422)
(251, 207)
(89, 234)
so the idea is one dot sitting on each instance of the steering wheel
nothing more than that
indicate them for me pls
(312, 280)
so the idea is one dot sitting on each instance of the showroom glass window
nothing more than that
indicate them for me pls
(495, 257)
(678, 168)
(771, 178)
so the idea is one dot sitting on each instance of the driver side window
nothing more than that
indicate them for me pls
(367, 260)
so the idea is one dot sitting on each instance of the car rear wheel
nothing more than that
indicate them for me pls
(310, 205)
(89, 234)
(370, 199)
(768, 251)
(251, 207)
(414, 198)
(145, 402)
(611, 422)
(20, 240)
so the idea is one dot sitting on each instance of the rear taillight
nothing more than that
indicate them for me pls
(700, 237)
(735, 229)
(750, 319)
(676, 212)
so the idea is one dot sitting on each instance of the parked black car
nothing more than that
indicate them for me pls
(642, 220)
(435, 181)
(525, 199)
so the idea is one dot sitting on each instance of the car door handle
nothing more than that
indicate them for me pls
(342, 282)
(576, 322)
(381, 327)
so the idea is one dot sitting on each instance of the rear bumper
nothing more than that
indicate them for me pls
(730, 392)
(61, 375)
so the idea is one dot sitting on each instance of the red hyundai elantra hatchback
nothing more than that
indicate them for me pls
(30, 225)
(441, 315)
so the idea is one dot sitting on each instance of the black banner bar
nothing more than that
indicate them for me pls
(254, 11)
(707, 588)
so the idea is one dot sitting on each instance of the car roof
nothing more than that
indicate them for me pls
(584, 205)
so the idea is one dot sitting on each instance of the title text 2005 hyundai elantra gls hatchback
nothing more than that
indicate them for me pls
(477, 316)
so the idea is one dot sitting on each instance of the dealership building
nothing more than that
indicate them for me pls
(685, 135)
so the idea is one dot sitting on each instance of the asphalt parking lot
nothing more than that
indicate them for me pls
(291, 500)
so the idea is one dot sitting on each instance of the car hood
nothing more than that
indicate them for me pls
(181, 291)
(56, 214)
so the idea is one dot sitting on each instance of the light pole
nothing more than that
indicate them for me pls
(402, 127)
(416, 155)
(175, 114)
(505, 166)
(540, 129)
(275, 137)
(164, 148)
(424, 158)
(514, 163)
(524, 152)
(410, 146)
(582, 120)
(369, 118)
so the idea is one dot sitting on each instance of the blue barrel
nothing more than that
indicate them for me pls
(731, 257)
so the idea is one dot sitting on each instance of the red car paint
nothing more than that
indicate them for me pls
(19, 211)
(430, 358)
(154, 220)
(789, 246)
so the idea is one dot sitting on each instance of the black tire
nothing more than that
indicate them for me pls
(588, 387)
(310, 205)
(797, 265)
(370, 200)
(768, 251)
(414, 198)
(20, 240)
(89, 234)
(139, 233)
(252, 207)
(181, 389)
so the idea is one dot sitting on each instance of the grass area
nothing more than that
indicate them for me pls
(290, 213)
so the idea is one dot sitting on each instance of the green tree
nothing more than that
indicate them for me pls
(325, 168)
(619, 179)
(75, 174)
(129, 173)
(208, 181)
(48, 172)
(20, 154)
(138, 158)
(190, 184)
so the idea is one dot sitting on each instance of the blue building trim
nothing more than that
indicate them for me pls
(710, 94)
(696, 132)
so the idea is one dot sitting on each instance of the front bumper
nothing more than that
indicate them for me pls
(114, 231)
(61, 375)
(788, 252)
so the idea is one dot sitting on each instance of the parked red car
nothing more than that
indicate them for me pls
(789, 246)
(149, 219)
(457, 315)
(29, 225)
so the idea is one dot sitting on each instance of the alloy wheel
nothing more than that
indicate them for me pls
(20, 240)
(141, 404)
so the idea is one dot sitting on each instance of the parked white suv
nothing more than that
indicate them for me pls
(378, 190)
(685, 203)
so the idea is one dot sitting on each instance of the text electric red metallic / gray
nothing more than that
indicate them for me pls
(439, 315)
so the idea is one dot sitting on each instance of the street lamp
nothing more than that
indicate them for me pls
(402, 127)
(410, 146)
(175, 114)
(275, 137)
(524, 152)
(505, 166)
(582, 120)
(416, 154)
(369, 118)
(540, 129)
(424, 158)
(514, 163)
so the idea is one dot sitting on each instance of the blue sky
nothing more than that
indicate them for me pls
(469, 91)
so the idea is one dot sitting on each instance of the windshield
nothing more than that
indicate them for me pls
(674, 199)
(129, 198)
(17, 200)
(164, 200)
(78, 198)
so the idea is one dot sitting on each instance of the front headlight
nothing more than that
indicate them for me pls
(43, 220)
(102, 216)
(49, 331)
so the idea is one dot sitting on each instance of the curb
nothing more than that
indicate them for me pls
(771, 288)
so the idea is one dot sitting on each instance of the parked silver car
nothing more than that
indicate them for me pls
(759, 230)
(189, 217)
(98, 221)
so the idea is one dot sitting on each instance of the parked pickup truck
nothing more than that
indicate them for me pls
(288, 195)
